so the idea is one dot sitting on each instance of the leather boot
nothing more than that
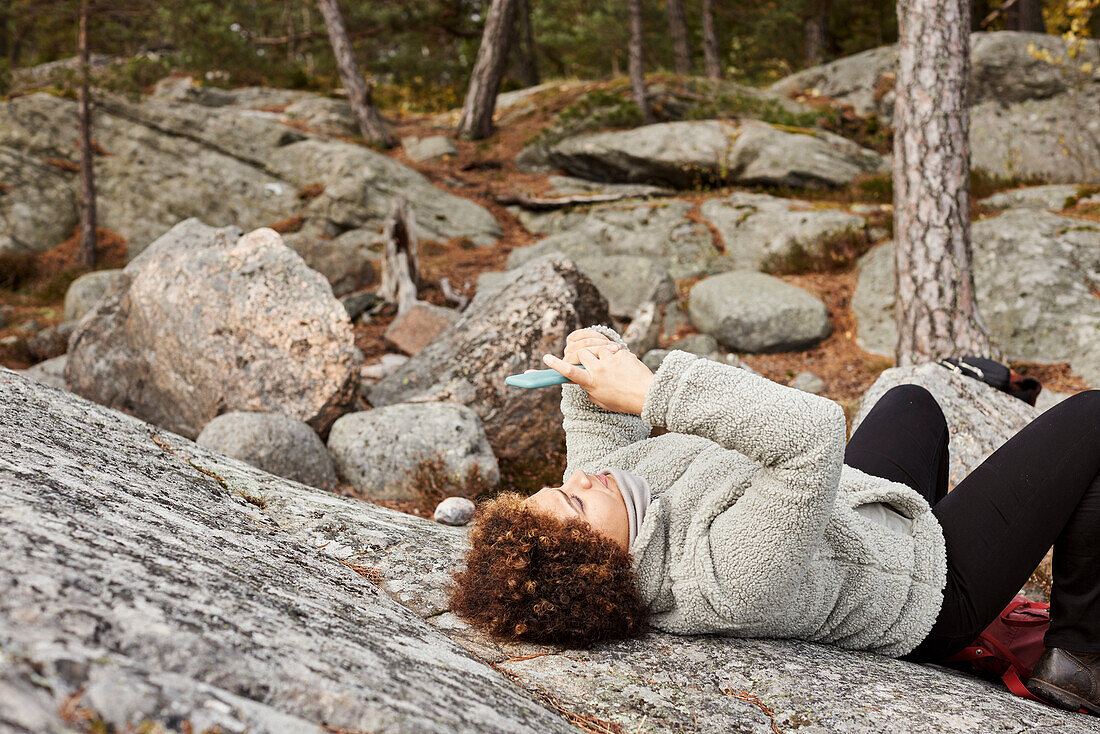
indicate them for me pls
(1068, 679)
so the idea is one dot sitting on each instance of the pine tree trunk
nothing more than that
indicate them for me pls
(816, 28)
(481, 96)
(527, 69)
(711, 58)
(936, 312)
(636, 64)
(370, 122)
(86, 253)
(678, 32)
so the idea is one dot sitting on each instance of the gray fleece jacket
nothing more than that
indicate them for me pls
(753, 530)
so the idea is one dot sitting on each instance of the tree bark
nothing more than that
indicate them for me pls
(636, 64)
(481, 96)
(400, 258)
(86, 253)
(1025, 15)
(366, 115)
(527, 69)
(678, 32)
(936, 312)
(711, 59)
(816, 29)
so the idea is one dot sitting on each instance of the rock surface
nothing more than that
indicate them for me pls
(753, 312)
(206, 321)
(503, 333)
(380, 451)
(53, 341)
(979, 418)
(50, 372)
(454, 511)
(85, 292)
(808, 382)
(38, 205)
(275, 443)
(1052, 196)
(429, 148)
(687, 154)
(628, 281)
(324, 115)
(149, 593)
(349, 261)
(413, 330)
(1042, 308)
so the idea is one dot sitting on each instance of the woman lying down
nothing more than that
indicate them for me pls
(751, 518)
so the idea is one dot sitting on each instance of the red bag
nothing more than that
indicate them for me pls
(1010, 647)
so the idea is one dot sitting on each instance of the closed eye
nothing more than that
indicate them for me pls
(578, 501)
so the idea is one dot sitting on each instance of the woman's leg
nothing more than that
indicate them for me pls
(1041, 488)
(904, 439)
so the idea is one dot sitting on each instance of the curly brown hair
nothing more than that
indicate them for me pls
(530, 576)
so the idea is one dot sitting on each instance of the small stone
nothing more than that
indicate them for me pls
(383, 367)
(416, 328)
(31, 326)
(9, 342)
(654, 357)
(701, 344)
(358, 303)
(429, 148)
(808, 382)
(454, 511)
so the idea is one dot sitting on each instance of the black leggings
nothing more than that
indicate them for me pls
(1041, 488)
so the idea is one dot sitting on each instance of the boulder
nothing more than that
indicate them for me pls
(568, 185)
(324, 115)
(688, 154)
(753, 312)
(416, 328)
(349, 261)
(50, 372)
(390, 452)
(1042, 308)
(501, 334)
(38, 202)
(658, 230)
(206, 321)
(454, 511)
(1051, 196)
(757, 228)
(53, 341)
(85, 292)
(275, 443)
(429, 148)
(146, 588)
(628, 281)
(701, 344)
(979, 418)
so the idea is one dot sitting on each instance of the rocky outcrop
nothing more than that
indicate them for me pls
(392, 452)
(324, 115)
(428, 148)
(223, 602)
(979, 418)
(38, 202)
(503, 333)
(692, 153)
(1052, 196)
(274, 443)
(752, 312)
(146, 587)
(165, 160)
(1036, 275)
(206, 321)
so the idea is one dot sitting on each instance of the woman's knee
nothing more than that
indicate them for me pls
(1084, 406)
(912, 397)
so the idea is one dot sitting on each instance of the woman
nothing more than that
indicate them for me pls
(749, 517)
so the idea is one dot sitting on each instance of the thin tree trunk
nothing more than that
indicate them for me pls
(481, 96)
(527, 69)
(816, 28)
(678, 32)
(370, 122)
(978, 10)
(86, 253)
(636, 65)
(1025, 15)
(711, 58)
(936, 312)
(400, 258)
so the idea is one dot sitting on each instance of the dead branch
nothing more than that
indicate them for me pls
(459, 299)
(400, 258)
(540, 203)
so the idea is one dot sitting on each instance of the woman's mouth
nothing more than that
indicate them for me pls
(602, 478)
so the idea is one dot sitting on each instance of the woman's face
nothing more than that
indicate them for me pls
(593, 498)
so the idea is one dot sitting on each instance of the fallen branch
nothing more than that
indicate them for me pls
(459, 299)
(541, 204)
(743, 695)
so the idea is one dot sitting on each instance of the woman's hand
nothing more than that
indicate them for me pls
(614, 378)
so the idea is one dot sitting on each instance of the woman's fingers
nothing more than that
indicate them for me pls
(569, 371)
(597, 346)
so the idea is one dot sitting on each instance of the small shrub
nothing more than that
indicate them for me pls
(17, 269)
(838, 252)
(290, 224)
(311, 191)
(878, 188)
(433, 483)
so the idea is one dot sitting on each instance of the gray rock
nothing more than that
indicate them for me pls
(573, 185)
(753, 312)
(380, 451)
(979, 418)
(659, 230)
(757, 228)
(644, 329)
(85, 292)
(205, 322)
(385, 366)
(349, 262)
(701, 344)
(275, 443)
(687, 154)
(454, 511)
(324, 115)
(30, 326)
(1042, 308)
(53, 341)
(358, 303)
(428, 148)
(1052, 196)
(148, 583)
(415, 329)
(37, 204)
(654, 357)
(808, 382)
(628, 281)
(50, 372)
(501, 334)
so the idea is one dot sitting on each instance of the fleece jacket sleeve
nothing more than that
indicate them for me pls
(591, 432)
(754, 546)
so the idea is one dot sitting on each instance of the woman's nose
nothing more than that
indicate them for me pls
(580, 479)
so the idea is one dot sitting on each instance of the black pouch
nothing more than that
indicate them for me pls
(997, 375)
